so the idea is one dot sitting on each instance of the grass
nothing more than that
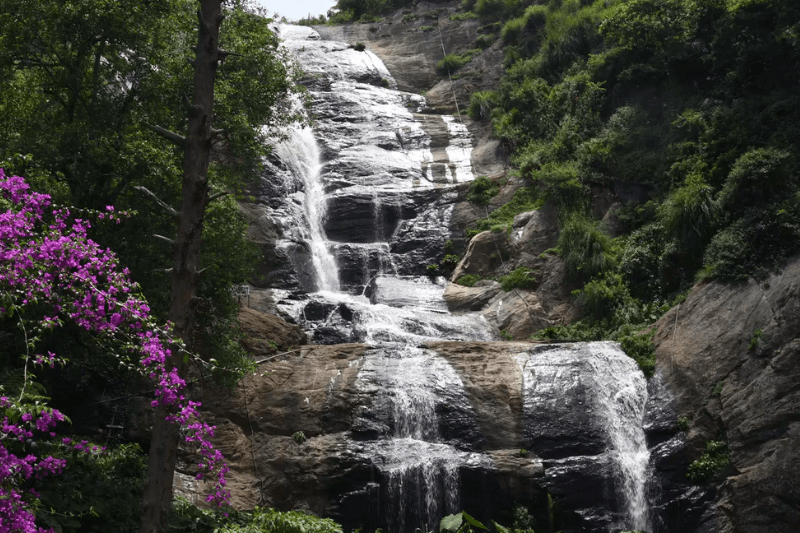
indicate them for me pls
(452, 62)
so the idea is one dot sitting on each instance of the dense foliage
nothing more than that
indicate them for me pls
(687, 108)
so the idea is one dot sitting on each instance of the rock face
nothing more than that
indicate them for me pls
(359, 453)
(264, 333)
(730, 354)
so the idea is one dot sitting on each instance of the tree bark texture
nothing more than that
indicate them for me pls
(186, 258)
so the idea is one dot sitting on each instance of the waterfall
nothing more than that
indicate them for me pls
(391, 178)
(301, 153)
(623, 395)
(617, 402)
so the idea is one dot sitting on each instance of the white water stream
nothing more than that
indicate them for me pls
(301, 153)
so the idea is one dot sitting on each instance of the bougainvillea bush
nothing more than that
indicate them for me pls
(52, 274)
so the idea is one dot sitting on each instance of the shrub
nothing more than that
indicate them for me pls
(602, 296)
(485, 41)
(512, 30)
(525, 199)
(481, 104)
(641, 349)
(690, 211)
(186, 517)
(426, 28)
(482, 190)
(714, 458)
(452, 62)
(755, 340)
(299, 437)
(409, 17)
(450, 261)
(457, 17)
(359, 47)
(586, 250)
(468, 280)
(519, 278)
(683, 424)
(756, 243)
(757, 176)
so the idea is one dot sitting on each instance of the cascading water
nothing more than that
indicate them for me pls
(379, 162)
(619, 398)
(301, 153)
(623, 395)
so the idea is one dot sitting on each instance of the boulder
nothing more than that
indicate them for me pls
(462, 299)
(533, 232)
(484, 254)
(518, 313)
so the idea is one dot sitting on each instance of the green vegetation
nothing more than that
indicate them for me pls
(641, 349)
(468, 280)
(525, 199)
(426, 28)
(460, 523)
(457, 17)
(756, 338)
(359, 47)
(693, 102)
(482, 190)
(365, 11)
(485, 41)
(683, 424)
(519, 278)
(714, 458)
(452, 62)
(481, 104)
(98, 492)
(186, 517)
(299, 437)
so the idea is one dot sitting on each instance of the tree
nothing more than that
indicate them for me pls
(197, 146)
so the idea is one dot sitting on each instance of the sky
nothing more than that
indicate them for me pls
(293, 9)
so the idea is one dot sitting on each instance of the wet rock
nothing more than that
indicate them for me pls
(317, 310)
(421, 292)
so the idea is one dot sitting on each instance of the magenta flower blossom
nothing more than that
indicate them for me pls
(49, 260)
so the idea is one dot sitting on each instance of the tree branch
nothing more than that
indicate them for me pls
(216, 195)
(172, 137)
(165, 239)
(174, 214)
(224, 53)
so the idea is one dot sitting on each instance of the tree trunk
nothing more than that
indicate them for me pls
(186, 258)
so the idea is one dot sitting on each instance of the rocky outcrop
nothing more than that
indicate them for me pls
(484, 254)
(265, 334)
(530, 244)
(460, 299)
(731, 354)
(490, 400)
